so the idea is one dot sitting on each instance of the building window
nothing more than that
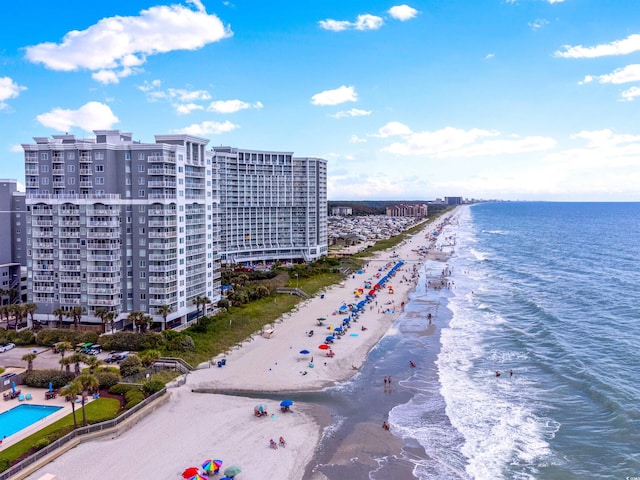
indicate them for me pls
(143, 296)
(143, 274)
(44, 168)
(71, 168)
(127, 181)
(99, 168)
(99, 180)
(127, 155)
(44, 156)
(140, 168)
(141, 181)
(140, 156)
(141, 193)
(71, 155)
(98, 155)
(143, 263)
(71, 180)
(45, 181)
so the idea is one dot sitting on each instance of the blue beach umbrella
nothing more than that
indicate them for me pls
(305, 352)
(286, 403)
(329, 338)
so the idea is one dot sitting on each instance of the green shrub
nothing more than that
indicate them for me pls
(133, 397)
(41, 378)
(120, 389)
(107, 379)
(182, 343)
(21, 338)
(152, 387)
(130, 341)
(41, 443)
(132, 365)
(50, 336)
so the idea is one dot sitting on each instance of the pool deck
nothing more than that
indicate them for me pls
(38, 398)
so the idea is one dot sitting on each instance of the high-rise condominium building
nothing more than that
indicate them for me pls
(119, 225)
(13, 254)
(273, 206)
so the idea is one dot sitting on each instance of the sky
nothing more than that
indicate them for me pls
(491, 99)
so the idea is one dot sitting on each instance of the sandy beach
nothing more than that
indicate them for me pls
(198, 422)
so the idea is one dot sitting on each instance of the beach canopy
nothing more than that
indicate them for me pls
(232, 471)
(283, 403)
(211, 465)
(305, 352)
(190, 472)
(330, 338)
(324, 346)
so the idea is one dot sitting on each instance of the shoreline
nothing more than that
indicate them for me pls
(257, 372)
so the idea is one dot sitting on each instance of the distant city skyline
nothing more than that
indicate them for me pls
(508, 99)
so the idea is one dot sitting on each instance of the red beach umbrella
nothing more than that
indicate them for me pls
(324, 346)
(190, 472)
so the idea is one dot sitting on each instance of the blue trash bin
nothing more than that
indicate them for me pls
(219, 364)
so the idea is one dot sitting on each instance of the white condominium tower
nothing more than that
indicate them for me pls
(118, 225)
(273, 206)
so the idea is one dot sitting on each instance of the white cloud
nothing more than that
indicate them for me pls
(538, 23)
(182, 100)
(335, 97)
(489, 56)
(231, 106)
(630, 73)
(631, 93)
(555, 1)
(356, 139)
(16, 148)
(403, 12)
(187, 108)
(8, 89)
(354, 112)
(91, 116)
(604, 138)
(451, 142)
(115, 45)
(208, 128)
(392, 129)
(618, 47)
(363, 22)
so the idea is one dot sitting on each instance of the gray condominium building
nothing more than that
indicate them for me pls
(13, 255)
(273, 206)
(119, 225)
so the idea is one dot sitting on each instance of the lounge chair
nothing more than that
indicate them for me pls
(28, 397)
(21, 398)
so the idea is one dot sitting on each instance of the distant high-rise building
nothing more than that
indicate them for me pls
(341, 211)
(416, 210)
(119, 225)
(273, 206)
(453, 200)
(12, 254)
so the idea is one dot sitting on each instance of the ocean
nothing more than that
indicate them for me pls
(547, 291)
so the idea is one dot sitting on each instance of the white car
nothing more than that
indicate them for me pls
(6, 346)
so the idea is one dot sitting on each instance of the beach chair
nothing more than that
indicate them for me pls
(28, 397)
(21, 398)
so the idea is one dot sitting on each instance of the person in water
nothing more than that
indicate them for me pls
(498, 373)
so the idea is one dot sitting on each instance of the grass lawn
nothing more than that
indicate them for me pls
(97, 411)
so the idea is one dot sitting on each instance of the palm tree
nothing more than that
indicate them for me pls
(30, 309)
(92, 362)
(63, 347)
(60, 313)
(29, 358)
(88, 383)
(204, 300)
(147, 357)
(66, 363)
(76, 359)
(164, 310)
(6, 311)
(71, 390)
(76, 314)
(133, 318)
(105, 316)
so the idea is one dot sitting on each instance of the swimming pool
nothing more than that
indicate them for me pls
(22, 416)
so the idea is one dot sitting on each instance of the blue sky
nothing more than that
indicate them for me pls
(511, 99)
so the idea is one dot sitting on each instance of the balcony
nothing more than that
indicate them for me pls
(163, 245)
(86, 184)
(161, 212)
(158, 302)
(103, 302)
(103, 223)
(162, 196)
(73, 212)
(69, 268)
(43, 256)
(85, 158)
(155, 170)
(161, 184)
(103, 234)
(163, 291)
(37, 222)
(103, 291)
(102, 279)
(70, 290)
(162, 257)
(43, 277)
(103, 268)
(163, 234)
(85, 171)
(69, 234)
(163, 279)
(31, 171)
(102, 258)
(43, 289)
(162, 223)
(69, 223)
(114, 246)
(57, 171)
(166, 158)
(162, 268)
(70, 256)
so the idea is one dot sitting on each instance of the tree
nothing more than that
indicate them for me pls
(262, 291)
(63, 347)
(92, 362)
(76, 359)
(164, 310)
(106, 317)
(76, 314)
(204, 300)
(88, 383)
(149, 356)
(60, 313)
(71, 390)
(6, 311)
(66, 363)
(30, 309)
(29, 358)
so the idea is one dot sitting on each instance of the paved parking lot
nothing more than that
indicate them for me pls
(46, 358)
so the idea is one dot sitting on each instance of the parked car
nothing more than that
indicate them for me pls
(116, 357)
(95, 349)
(6, 346)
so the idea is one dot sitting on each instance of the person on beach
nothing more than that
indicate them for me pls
(273, 444)
(282, 442)
(511, 373)
(498, 373)
(385, 425)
